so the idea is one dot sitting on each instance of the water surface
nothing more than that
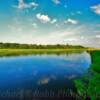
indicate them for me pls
(42, 72)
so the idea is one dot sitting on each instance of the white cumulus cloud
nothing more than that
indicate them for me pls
(43, 18)
(96, 9)
(23, 5)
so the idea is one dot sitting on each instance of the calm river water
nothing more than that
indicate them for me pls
(40, 75)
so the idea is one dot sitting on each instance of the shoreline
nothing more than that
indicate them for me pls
(17, 52)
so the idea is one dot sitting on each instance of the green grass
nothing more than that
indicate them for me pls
(95, 56)
(90, 84)
(15, 52)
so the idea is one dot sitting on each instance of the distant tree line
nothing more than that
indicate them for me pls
(35, 46)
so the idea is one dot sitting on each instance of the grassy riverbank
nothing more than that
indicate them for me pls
(14, 49)
(89, 85)
(15, 52)
(95, 57)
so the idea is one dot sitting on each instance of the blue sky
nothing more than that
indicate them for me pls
(50, 22)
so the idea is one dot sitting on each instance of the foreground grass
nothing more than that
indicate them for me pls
(15, 52)
(89, 85)
(95, 61)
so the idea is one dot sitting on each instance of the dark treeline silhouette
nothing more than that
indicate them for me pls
(35, 46)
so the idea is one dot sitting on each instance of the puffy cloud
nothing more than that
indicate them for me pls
(43, 18)
(56, 1)
(23, 5)
(72, 21)
(96, 9)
